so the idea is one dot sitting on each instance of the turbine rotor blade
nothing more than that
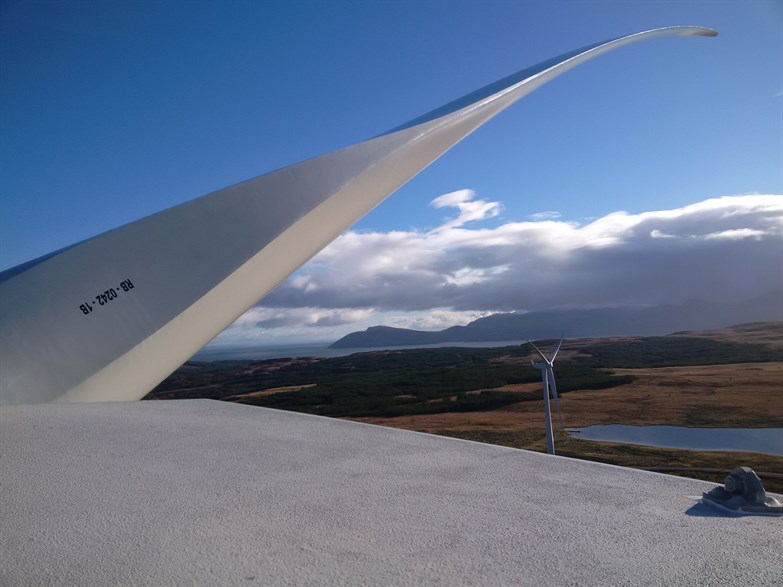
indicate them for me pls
(553, 387)
(539, 352)
(177, 278)
(557, 350)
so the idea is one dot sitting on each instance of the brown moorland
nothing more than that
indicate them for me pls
(733, 395)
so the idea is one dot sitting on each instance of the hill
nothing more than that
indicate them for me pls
(599, 322)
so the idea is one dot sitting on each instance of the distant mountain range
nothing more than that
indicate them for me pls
(647, 321)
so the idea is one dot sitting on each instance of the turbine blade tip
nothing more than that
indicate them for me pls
(706, 32)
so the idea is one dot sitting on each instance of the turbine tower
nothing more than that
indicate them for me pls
(548, 379)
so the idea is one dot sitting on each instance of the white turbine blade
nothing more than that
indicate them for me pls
(553, 388)
(557, 350)
(111, 317)
(550, 441)
(538, 351)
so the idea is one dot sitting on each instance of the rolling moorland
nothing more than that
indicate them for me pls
(730, 377)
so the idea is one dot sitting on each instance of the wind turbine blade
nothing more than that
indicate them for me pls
(108, 318)
(553, 387)
(538, 351)
(557, 350)
(550, 440)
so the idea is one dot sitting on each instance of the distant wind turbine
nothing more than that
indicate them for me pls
(548, 379)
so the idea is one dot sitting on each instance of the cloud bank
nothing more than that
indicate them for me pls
(722, 249)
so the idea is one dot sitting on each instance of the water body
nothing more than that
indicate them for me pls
(257, 353)
(759, 440)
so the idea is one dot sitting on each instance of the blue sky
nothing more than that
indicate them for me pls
(115, 110)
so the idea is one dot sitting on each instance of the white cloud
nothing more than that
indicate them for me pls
(721, 249)
(470, 276)
(735, 234)
(545, 215)
(259, 323)
(470, 210)
(304, 282)
(436, 319)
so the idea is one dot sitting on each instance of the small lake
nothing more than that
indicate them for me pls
(760, 440)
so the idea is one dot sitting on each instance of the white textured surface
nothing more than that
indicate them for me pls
(208, 493)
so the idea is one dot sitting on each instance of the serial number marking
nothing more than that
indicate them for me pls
(107, 296)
